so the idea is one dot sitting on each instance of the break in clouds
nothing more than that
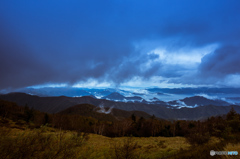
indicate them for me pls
(119, 42)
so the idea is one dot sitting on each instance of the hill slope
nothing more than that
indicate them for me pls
(101, 113)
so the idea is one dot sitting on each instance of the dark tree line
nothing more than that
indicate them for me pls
(198, 132)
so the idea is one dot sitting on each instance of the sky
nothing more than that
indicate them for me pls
(119, 43)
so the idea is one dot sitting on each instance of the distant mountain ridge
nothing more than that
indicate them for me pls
(135, 94)
(164, 111)
(198, 101)
(195, 90)
(115, 96)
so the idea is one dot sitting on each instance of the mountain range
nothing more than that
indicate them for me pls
(205, 107)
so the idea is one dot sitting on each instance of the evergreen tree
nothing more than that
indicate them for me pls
(28, 113)
(46, 119)
(133, 118)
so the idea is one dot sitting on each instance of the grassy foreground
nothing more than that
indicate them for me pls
(47, 142)
(145, 147)
(20, 141)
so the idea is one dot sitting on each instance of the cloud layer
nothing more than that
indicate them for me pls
(180, 42)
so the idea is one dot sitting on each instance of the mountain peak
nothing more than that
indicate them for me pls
(200, 100)
(114, 96)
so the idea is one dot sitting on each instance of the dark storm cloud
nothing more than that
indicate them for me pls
(219, 68)
(66, 42)
(135, 65)
(55, 45)
(222, 62)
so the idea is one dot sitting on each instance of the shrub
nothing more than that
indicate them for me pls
(127, 150)
(198, 138)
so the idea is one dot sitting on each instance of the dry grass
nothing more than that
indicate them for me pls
(147, 147)
(102, 147)
(232, 147)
